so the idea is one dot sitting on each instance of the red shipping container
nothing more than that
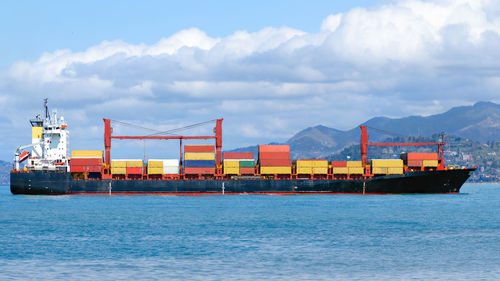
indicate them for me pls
(237, 155)
(274, 155)
(203, 171)
(415, 163)
(338, 163)
(85, 169)
(134, 171)
(247, 171)
(86, 161)
(199, 148)
(275, 162)
(274, 148)
(422, 156)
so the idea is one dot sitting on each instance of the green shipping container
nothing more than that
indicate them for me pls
(247, 164)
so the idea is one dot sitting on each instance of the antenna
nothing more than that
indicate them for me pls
(46, 105)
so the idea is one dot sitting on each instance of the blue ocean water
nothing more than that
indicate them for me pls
(252, 237)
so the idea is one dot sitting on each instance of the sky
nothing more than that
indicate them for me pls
(269, 68)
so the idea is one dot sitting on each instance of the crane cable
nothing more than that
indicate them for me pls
(395, 134)
(158, 132)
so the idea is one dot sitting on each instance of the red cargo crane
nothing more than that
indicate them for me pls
(217, 137)
(365, 144)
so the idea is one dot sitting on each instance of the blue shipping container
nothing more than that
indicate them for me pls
(199, 163)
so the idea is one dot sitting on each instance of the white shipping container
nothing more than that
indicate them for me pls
(170, 170)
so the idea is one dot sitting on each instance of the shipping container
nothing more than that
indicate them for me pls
(118, 163)
(275, 162)
(340, 170)
(274, 155)
(199, 148)
(170, 170)
(247, 164)
(419, 156)
(274, 148)
(247, 171)
(85, 169)
(231, 170)
(338, 163)
(305, 163)
(237, 155)
(155, 171)
(430, 163)
(387, 163)
(414, 163)
(86, 161)
(356, 170)
(134, 170)
(320, 170)
(199, 163)
(135, 163)
(379, 171)
(354, 164)
(171, 162)
(395, 171)
(202, 171)
(118, 170)
(275, 170)
(155, 164)
(199, 156)
(304, 170)
(87, 153)
(231, 164)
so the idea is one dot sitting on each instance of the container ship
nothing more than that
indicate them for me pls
(206, 170)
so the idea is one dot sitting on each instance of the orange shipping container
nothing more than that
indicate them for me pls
(274, 155)
(274, 148)
(275, 162)
(203, 171)
(247, 171)
(338, 163)
(199, 148)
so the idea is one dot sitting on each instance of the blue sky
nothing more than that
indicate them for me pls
(270, 68)
(31, 28)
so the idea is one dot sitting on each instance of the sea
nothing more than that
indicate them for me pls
(252, 237)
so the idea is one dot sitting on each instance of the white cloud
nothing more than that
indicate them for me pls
(404, 58)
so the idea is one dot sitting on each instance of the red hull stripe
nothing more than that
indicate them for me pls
(252, 193)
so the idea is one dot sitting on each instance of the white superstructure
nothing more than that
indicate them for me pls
(49, 144)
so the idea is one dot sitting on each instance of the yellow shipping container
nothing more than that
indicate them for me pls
(320, 170)
(87, 153)
(36, 132)
(155, 170)
(155, 164)
(134, 163)
(304, 170)
(231, 164)
(356, 170)
(320, 163)
(395, 171)
(379, 171)
(118, 164)
(340, 170)
(387, 163)
(231, 170)
(275, 170)
(430, 163)
(199, 156)
(118, 170)
(354, 164)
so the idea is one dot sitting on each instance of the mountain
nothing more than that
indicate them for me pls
(5, 168)
(480, 122)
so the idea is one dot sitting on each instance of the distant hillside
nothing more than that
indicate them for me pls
(480, 122)
(5, 168)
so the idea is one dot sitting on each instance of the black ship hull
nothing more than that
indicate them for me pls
(52, 183)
